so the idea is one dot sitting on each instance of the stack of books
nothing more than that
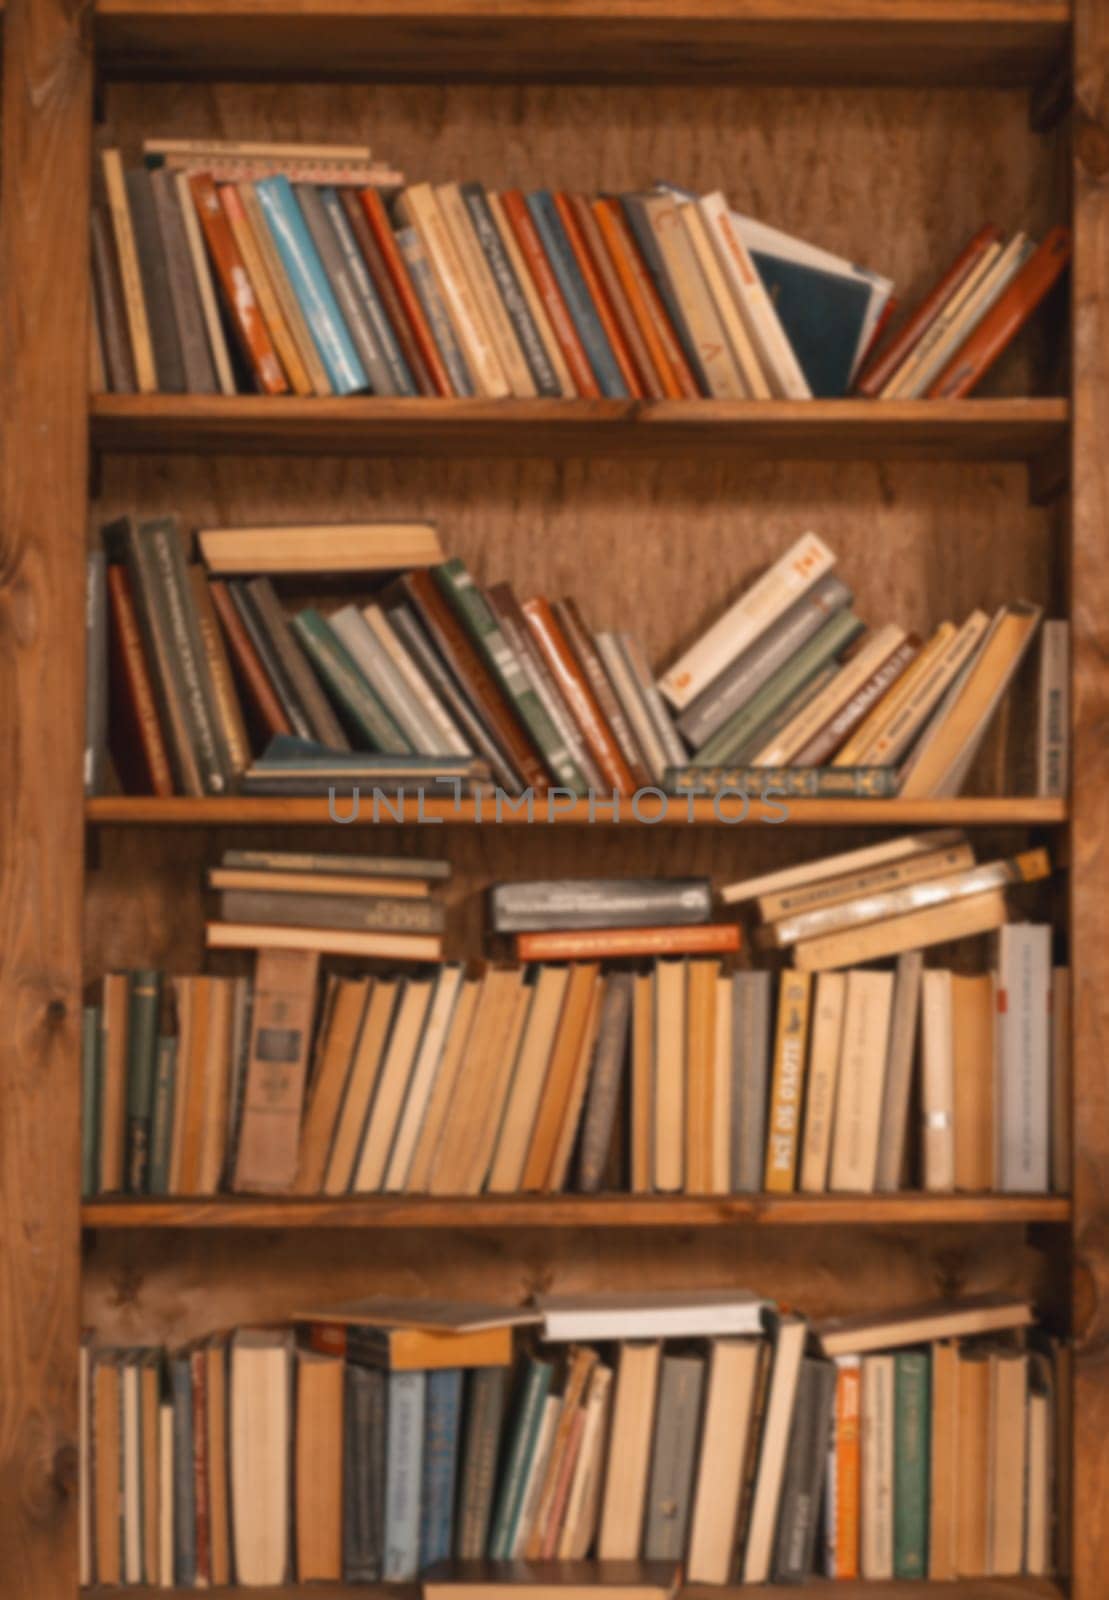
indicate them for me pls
(201, 682)
(334, 277)
(366, 1443)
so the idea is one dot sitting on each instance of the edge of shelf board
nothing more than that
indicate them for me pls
(817, 1589)
(570, 1211)
(916, 430)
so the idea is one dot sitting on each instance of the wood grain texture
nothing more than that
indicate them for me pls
(1089, 904)
(966, 1589)
(764, 41)
(44, 149)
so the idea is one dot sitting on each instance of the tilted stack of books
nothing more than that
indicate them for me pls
(335, 278)
(709, 1428)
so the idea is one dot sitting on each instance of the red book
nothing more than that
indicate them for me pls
(198, 1371)
(238, 292)
(601, 944)
(580, 699)
(138, 745)
(654, 320)
(378, 219)
(250, 672)
(597, 294)
(386, 292)
(877, 373)
(516, 210)
(1004, 320)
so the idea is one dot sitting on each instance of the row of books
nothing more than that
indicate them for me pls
(200, 682)
(336, 278)
(370, 1442)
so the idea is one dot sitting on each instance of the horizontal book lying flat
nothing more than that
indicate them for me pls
(942, 1319)
(328, 941)
(432, 1316)
(694, 1313)
(560, 1580)
(330, 547)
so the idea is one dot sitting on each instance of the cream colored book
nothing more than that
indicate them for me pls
(418, 207)
(423, 1077)
(961, 324)
(935, 925)
(876, 1499)
(779, 363)
(579, 1522)
(422, 1169)
(514, 1134)
(937, 1081)
(567, 1134)
(1008, 1457)
(824, 1055)
(896, 735)
(710, 342)
(531, 294)
(720, 1170)
(862, 1068)
(642, 1085)
(633, 1422)
(791, 903)
(1061, 1103)
(743, 351)
(364, 1068)
(729, 1409)
(700, 1074)
(480, 1139)
(944, 1464)
(165, 1496)
(392, 1085)
(343, 155)
(269, 304)
(307, 547)
(791, 576)
(501, 332)
(217, 340)
(284, 292)
(470, 1124)
(780, 751)
(448, 739)
(328, 941)
(134, 300)
(787, 1091)
(898, 385)
(668, 1122)
(841, 866)
(882, 713)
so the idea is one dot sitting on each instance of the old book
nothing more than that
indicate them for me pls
(217, 1088)
(645, 214)
(197, 372)
(883, 714)
(934, 925)
(972, 1028)
(651, 315)
(776, 356)
(751, 1023)
(549, 290)
(475, 1130)
(723, 1117)
(544, 212)
(583, 1501)
(239, 297)
(213, 1356)
(442, 1426)
(842, 1501)
(625, 1492)
(533, 300)
(824, 1055)
(895, 874)
(876, 1530)
(393, 308)
(746, 360)
(364, 1442)
(641, 1130)
(712, 939)
(866, 1021)
(840, 866)
(943, 1461)
(673, 1459)
(584, 647)
(1053, 710)
(1041, 1477)
(111, 307)
(1007, 1462)
(605, 1081)
(517, 322)
(811, 720)
(1023, 1086)
(374, 914)
(392, 1084)
(729, 1416)
(788, 1085)
(361, 309)
(579, 1369)
(995, 268)
(972, 1513)
(205, 286)
(316, 879)
(106, 1464)
(324, 941)
(251, 671)
(114, 1015)
(491, 306)
(364, 1068)
(143, 1006)
(409, 300)
(575, 687)
(1062, 1160)
(226, 701)
(337, 1038)
(522, 1104)
(284, 1001)
(427, 290)
(897, 1094)
(130, 272)
(700, 1072)
(441, 730)
(911, 711)
(269, 301)
(531, 1403)
(487, 1398)
(281, 286)
(619, 304)
(261, 1433)
(586, 903)
(580, 772)
(911, 1428)
(320, 720)
(423, 1167)
(425, 1072)
(629, 697)
(562, 1072)
(788, 1335)
(363, 705)
(922, 1324)
(668, 1072)
(824, 744)
(571, 211)
(806, 1462)
(937, 1081)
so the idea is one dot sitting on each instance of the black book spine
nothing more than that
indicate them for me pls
(155, 282)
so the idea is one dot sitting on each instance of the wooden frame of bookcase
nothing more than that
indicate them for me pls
(50, 49)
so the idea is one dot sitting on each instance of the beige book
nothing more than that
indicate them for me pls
(937, 1081)
(316, 883)
(813, 716)
(331, 547)
(957, 327)
(521, 1108)
(642, 1092)
(435, 1118)
(875, 880)
(850, 754)
(720, 1173)
(299, 333)
(493, 1091)
(739, 341)
(324, 941)
(876, 1501)
(824, 1054)
(779, 363)
(336, 1041)
(973, 1503)
(1008, 1445)
(900, 1058)
(470, 1104)
(729, 1408)
(202, 272)
(1061, 1111)
(897, 387)
(840, 866)
(501, 332)
(787, 1091)
(972, 1016)
(687, 281)
(866, 1019)
(629, 1452)
(978, 913)
(1038, 1509)
(531, 294)
(448, 739)
(895, 737)
(700, 1074)
(392, 1083)
(418, 207)
(130, 275)
(344, 155)
(424, 1072)
(567, 1137)
(164, 1575)
(943, 1465)
(536, 1474)
(785, 1371)
(269, 304)
(923, 1324)
(217, 1088)
(579, 1522)
(361, 1081)
(668, 1073)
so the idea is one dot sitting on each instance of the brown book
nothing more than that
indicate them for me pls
(216, 1394)
(700, 1018)
(562, 325)
(595, 287)
(336, 1042)
(471, 1124)
(281, 1028)
(365, 1067)
(252, 675)
(196, 1035)
(130, 274)
(578, 695)
(634, 342)
(148, 1407)
(374, 209)
(111, 311)
(571, 1116)
(240, 299)
(229, 716)
(217, 1101)
(580, 1363)
(942, 1509)
(877, 372)
(391, 302)
(319, 1467)
(654, 324)
(115, 1004)
(580, 640)
(604, 944)
(1004, 320)
(242, 231)
(324, 941)
(838, 729)
(972, 1008)
(135, 733)
(198, 1385)
(421, 1169)
(572, 1027)
(642, 1088)
(196, 359)
(972, 1471)
(107, 1465)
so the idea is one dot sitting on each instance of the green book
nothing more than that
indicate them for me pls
(911, 1429)
(474, 612)
(161, 1124)
(90, 1100)
(142, 1046)
(340, 672)
(534, 1387)
(727, 742)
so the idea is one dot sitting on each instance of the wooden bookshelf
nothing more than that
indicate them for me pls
(966, 1589)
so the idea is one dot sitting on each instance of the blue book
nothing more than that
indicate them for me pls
(403, 1475)
(441, 1432)
(310, 285)
(398, 369)
(579, 301)
(823, 315)
(184, 1501)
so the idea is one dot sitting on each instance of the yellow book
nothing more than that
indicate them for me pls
(788, 1088)
(476, 268)
(851, 753)
(134, 301)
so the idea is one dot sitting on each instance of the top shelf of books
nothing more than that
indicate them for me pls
(992, 43)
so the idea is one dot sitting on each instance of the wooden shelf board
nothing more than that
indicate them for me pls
(921, 430)
(961, 1589)
(574, 1211)
(259, 811)
(980, 42)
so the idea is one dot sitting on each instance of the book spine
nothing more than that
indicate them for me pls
(645, 372)
(305, 346)
(579, 697)
(709, 339)
(487, 1390)
(142, 1045)
(311, 285)
(202, 273)
(747, 362)
(605, 1078)
(96, 672)
(334, 663)
(427, 291)
(787, 1093)
(751, 1075)
(408, 298)
(242, 231)
(775, 784)
(508, 287)
(638, 218)
(133, 693)
(347, 289)
(650, 312)
(161, 1121)
(239, 297)
(1023, 1054)
(403, 1474)
(184, 1481)
(480, 282)
(199, 1469)
(823, 745)
(111, 308)
(199, 373)
(367, 299)
(294, 678)
(570, 216)
(910, 1464)
(519, 1448)
(363, 1439)
(374, 914)
(252, 671)
(544, 215)
(394, 309)
(130, 275)
(843, 1505)
(780, 748)
(378, 668)
(440, 1463)
(284, 1003)
(90, 1100)
(582, 645)
(516, 209)
(606, 903)
(713, 939)
(228, 713)
(1053, 712)
(566, 386)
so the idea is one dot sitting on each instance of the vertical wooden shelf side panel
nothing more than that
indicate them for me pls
(47, 120)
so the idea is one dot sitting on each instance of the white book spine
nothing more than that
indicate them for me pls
(938, 1081)
(1053, 721)
(454, 287)
(827, 1033)
(1023, 1046)
(448, 740)
(352, 629)
(869, 997)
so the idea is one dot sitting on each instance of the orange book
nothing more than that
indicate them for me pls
(238, 291)
(643, 297)
(969, 365)
(395, 266)
(714, 938)
(561, 1071)
(700, 1045)
(613, 332)
(847, 1466)
(617, 298)
(268, 304)
(516, 210)
(582, 702)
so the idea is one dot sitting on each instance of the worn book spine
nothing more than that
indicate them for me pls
(747, 361)
(823, 745)
(647, 378)
(366, 293)
(581, 642)
(242, 231)
(550, 293)
(184, 1483)
(226, 701)
(376, 914)
(1023, 1095)
(912, 1410)
(378, 667)
(650, 313)
(338, 670)
(781, 748)
(787, 1091)
(284, 1002)
(751, 1021)
(205, 284)
(442, 1427)
(239, 297)
(138, 745)
(709, 341)
(937, 1081)
(1053, 711)
(441, 730)
(198, 370)
(250, 667)
(518, 1448)
(142, 1047)
(548, 225)
(567, 388)
(364, 1434)
(637, 215)
(941, 924)
(574, 685)
(806, 1459)
(486, 1399)
(282, 287)
(199, 1467)
(111, 308)
(605, 1080)
(677, 1425)
(426, 288)
(570, 217)
(403, 1475)
(498, 324)
(507, 285)
(130, 273)
(394, 309)
(754, 303)
(658, 713)
(611, 943)
(776, 784)
(430, 363)
(598, 903)
(338, 265)
(876, 1533)
(161, 1121)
